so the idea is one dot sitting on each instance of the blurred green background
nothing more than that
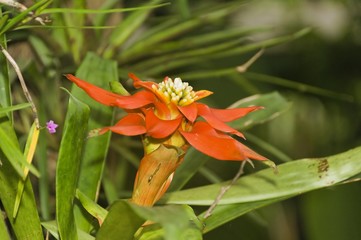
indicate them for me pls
(329, 58)
(321, 121)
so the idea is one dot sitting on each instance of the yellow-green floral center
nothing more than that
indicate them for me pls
(177, 92)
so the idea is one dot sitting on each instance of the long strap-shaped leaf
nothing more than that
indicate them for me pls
(99, 72)
(294, 178)
(68, 164)
(30, 147)
(22, 227)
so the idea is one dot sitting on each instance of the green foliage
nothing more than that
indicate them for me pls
(83, 181)
(68, 166)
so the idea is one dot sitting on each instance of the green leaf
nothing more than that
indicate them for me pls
(68, 165)
(178, 222)
(14, 108)
(274, 105)
(297, 86)
(29, 151)
(14, 155)
(4, 234)
(99, 72)
(225, 213)
(99, 11)
(9, 178)
(52, 227)
(120, 221)
(127, 27)
(180, 62)
(3, 20)
(5, 89)
(176, 28)
(264, 185)
(118, 88)
(23, 15)
(94, 209)
(124, 219)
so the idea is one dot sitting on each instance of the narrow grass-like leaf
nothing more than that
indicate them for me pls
(297, 86)
(5, 90)
(76, 38)
(52, 227)
(172, 31)
(3, 20)
(9, 179)
(99, 11)
(14, 21)
(274, 105)
(68, 165)
(14, 108)
(205, 50)
(176, 63)
(264, 185)
(29, 151)
(169, 49)
(130, 24)
(94, 209)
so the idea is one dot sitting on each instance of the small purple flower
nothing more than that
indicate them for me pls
(51, 126)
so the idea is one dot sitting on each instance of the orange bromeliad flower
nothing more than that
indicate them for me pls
(169, 119)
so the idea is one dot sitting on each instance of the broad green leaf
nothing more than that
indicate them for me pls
(98, 72)
(294, 178)
(274, 105)
(178, 221)
(29, 151)
(124, 219)
(22, 227)
(52, 227)
(68, 164)
(173, 226)
(120, 221)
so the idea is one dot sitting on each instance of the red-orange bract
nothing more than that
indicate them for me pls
(169, 119)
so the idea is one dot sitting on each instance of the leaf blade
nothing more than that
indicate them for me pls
(263, 185)
(68, 165)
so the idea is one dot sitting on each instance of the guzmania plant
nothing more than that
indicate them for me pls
(169, 119)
